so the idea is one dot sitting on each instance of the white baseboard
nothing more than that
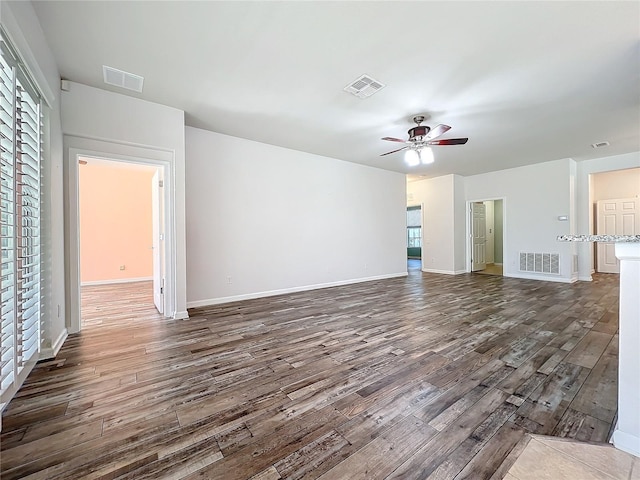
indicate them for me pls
(271, 293)
(524, 276)
(497, 264)
(586, 279)
(626, 442)
(181, 315)
(117, 280)
(52, 351)
(444, 272)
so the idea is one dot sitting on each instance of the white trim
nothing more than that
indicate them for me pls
(164, 159)
(585, 279)
(444, 272)
(52, 352)
(116, 280)
(626, 442)
(271, 293)
(181, 315)
(497, 263)
(540, 277)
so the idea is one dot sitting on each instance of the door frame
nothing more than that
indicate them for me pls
(75, 147)
(469, 232)
(157, 242)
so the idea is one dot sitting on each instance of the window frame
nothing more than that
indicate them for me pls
(21, 152)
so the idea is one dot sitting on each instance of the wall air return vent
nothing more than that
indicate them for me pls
(364, 87)
(540, 262)
(122, 79)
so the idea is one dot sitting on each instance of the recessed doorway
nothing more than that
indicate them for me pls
(414, 237)
(486, 221)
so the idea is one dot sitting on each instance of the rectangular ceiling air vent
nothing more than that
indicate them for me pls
(122, 79)
(364, 87)
(600, 144)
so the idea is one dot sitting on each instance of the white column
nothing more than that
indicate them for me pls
(627, 433)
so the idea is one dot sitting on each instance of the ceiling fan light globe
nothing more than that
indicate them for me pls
(412, 157)
(426, 156)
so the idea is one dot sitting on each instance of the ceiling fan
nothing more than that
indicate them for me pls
(420, 139)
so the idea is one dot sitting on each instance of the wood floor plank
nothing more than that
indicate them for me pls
(428, 375)
(484, 464)
(20, 454)
(315, 458)
(546, 406)
(599, 394)
(381, 456)
(587, 352)
(428, 458)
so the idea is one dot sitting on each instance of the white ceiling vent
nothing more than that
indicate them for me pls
(364, 87)
(122, 79)
(600, 144)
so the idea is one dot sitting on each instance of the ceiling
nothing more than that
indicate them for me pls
(526, 82)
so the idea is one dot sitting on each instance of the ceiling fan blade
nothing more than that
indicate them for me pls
(437, 131)
(394, 151)
(449, 141)
(392, 139)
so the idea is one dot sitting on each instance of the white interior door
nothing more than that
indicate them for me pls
(157, 212)
(620, 216)
(478, 236)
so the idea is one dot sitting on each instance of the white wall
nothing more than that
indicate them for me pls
(459, 224)
(534, 196)
(23, 28)
(585, 170)
(263, 219)
(498, 236)
(443, 212)
(94, 118)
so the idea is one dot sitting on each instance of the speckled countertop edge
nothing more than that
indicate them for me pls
(599, 238)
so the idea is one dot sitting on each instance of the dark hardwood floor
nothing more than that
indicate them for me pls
(429, 376)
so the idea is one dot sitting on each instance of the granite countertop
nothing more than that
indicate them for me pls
(598, 238)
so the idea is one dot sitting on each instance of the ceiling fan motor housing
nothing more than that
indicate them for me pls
(416, 134)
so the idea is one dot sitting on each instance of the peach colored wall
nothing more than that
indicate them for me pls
(115, 222)
(616, 184)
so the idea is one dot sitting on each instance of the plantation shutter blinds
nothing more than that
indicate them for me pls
(20, 154)
(7, 192)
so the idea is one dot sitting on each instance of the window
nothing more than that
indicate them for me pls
(414, 229)
(20, 155)
(414, 237)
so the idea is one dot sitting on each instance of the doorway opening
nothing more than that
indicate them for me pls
(486, 248)
(414, 237)
(121, 228)
(615, 196)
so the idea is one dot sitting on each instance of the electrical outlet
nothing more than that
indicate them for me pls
(229, 280)
(122, 267)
